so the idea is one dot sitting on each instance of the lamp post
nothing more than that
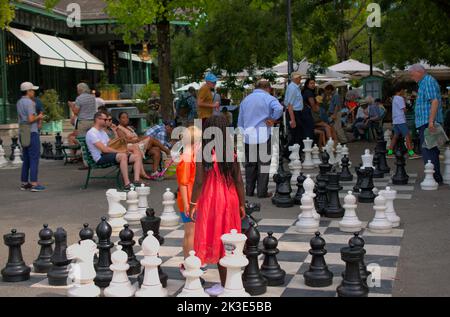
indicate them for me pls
(289, 38)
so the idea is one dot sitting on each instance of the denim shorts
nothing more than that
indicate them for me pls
(401, 129)
(109, 158)
(185, 219)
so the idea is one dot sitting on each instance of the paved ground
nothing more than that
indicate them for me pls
(425, 250)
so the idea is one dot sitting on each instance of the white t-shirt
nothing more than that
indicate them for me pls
(94, 136)
(99, 102)
(398, 114)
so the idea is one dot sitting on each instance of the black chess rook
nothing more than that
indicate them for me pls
(352, 284)
(15, 270)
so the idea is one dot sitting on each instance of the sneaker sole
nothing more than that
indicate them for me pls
(37, 190)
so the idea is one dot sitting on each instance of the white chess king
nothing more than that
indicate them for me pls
(308, 164)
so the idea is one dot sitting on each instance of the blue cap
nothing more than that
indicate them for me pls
(211, 78)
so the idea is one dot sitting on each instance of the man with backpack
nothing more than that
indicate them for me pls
(186, 107)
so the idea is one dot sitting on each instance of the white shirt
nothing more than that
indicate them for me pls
(94, 136)
(398, 113)
(99, 102)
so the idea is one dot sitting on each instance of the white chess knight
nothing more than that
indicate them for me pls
(309, 186)
(308, 164)
(151, 287)
(17, 160)
(169, 217)
(350, 223)
(391, 195)
(120, 285)
(306, 222)
(295, 166)
(447, 167)
(143, 193)
(429, 183)
(133, 216)
(192, 273)
(316, 156)
(234, 260)
(380, 224)
(3, 161)
(367, 160)
(115, 209)
(81, 270)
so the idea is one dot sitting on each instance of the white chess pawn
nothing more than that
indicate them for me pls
(388, 138)
(391, 195)
(350, 223)
(380, 224)
(295, 166)
(367, 160)
(17, 160)
(339, 156)
(308, 164)
(143, 193)
(192, 273)
(3, 161)
(316, 156)
(151, 287)
(429, 183)
(447, 167)
(169, 217)
(133, 216)
(234, 261)
(81, 270)
(309, 186)
(306, 222)
(120, 285)
(116, 211)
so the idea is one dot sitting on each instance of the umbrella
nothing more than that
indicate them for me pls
(356, 69)
(186, 87)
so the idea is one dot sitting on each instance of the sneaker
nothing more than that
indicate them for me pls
(25, 187)
(38, 188)
(216, 290)
(414, 156)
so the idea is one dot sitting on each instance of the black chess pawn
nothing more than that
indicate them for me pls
(14, 145)
(346, 175)
(352, 284)
(300, 190)
(334, 208)
(270, 268)
(15, 270)
(366, 195)
(59, 155)
(359, 175)
(381, 152)
(282, 198)
(57, 276)
(358, 242)
(321, 200)
(43, 262)
(127, 242)
(400, 177)
(88, 234)
(377, 173)
(104, 273)
(318, 274)
(254, 282)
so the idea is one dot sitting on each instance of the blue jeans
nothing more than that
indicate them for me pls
(431, 155)
(31, 154)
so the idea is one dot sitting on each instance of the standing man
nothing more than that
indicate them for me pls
(258, 113)
(428, 113)
(29, 137)
(294, 103)
(205, 102)
(84, 108)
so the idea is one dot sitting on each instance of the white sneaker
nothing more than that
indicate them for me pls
(216, 290)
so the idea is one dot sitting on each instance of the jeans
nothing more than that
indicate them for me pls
(31, 155)
(307, 123)
(431, 155)
(297, 133)
(257, 172)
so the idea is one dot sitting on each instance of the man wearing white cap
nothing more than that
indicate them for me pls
(29, 137)
(294, 103)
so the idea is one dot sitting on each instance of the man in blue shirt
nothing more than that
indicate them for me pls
(257, 114)
(428, 113)
(294, 102)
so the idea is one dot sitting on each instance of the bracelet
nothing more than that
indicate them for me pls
(193, 204)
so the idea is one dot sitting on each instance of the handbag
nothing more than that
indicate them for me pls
(25, 134)
(118, 144)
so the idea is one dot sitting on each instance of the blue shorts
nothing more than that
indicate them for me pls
(401, 129)
(109, 158)
(185, 219)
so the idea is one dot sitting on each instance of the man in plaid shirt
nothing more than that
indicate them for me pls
(163, 133)
(428, 113)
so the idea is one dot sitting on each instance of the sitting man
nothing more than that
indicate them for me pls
(369, 118)
(162, 133)
(97, 141)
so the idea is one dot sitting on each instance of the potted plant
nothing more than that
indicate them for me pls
(53, 112)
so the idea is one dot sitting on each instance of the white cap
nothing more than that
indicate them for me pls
(28, 86)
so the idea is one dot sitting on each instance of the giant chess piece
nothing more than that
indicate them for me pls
(367, 160)
(87, 233)
(400, 177)
(308, 164)
(346, 152)
(380, 152)
(14, 145)
(104, 273)
(380, 224)
(316, 156)
(151, 286)
(352, 285)
(321, 200)
(306, 222)
(346, 175)
(15, 270)
(270, 268)
(309, 186)
(334, 208)
(250, 209)
(282, 197)
(81, 270)
(17, 161)
(447, 167)
(116, 211)
(295, 165)
(391, 195)
(120, 285)
(234, 260)
(359, 179)
(300, 189)
(358, 242)
(318, 274)
(59, 155)
(3, 161)
(339, 154)
(366, 195)
(377, 172)
(43, 262)
(133, 215)
(143, 193)
(388, 138)
(57, 276)
(329, 148)
(350, 222)
(192, 273)
(50, 154)
(169, 217)
(429, 183)
(254, 281)
(127, 242)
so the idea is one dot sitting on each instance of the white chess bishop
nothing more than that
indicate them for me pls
(309, 186)
(306, 222)
(17, 160)
(391, 195)
(350, 223)
(295, 166)
(429, 183)
(120, 285)
(169, 217)
(133, 216)
(192, 273)
(308, 164)
(380, 224)
(446, 163)
(81, 270)
(316, 156)
(3, 161)
(234, 260)
(143, 193)
(151, 287)
(367, 160)
(116, 211)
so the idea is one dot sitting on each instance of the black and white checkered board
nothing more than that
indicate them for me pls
(382, 255)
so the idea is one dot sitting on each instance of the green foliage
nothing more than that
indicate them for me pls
(52, 109)
(188, 58)
(7, 13)
(144, 95)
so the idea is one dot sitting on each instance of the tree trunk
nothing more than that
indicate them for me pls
(164, 68)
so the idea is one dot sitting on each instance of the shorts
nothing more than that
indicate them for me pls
(185, 219)
(109, 158)
(401, 129)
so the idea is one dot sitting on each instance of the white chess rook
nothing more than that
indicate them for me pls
(350, 223)
(192, 273)
(306, 222)
(308, 164)
(169, 217)
(429, 183)
(116, 211)
(133, 216)
(391, 195)
(446, 163)
(120, 285)
(143, 193)
(380, 224)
